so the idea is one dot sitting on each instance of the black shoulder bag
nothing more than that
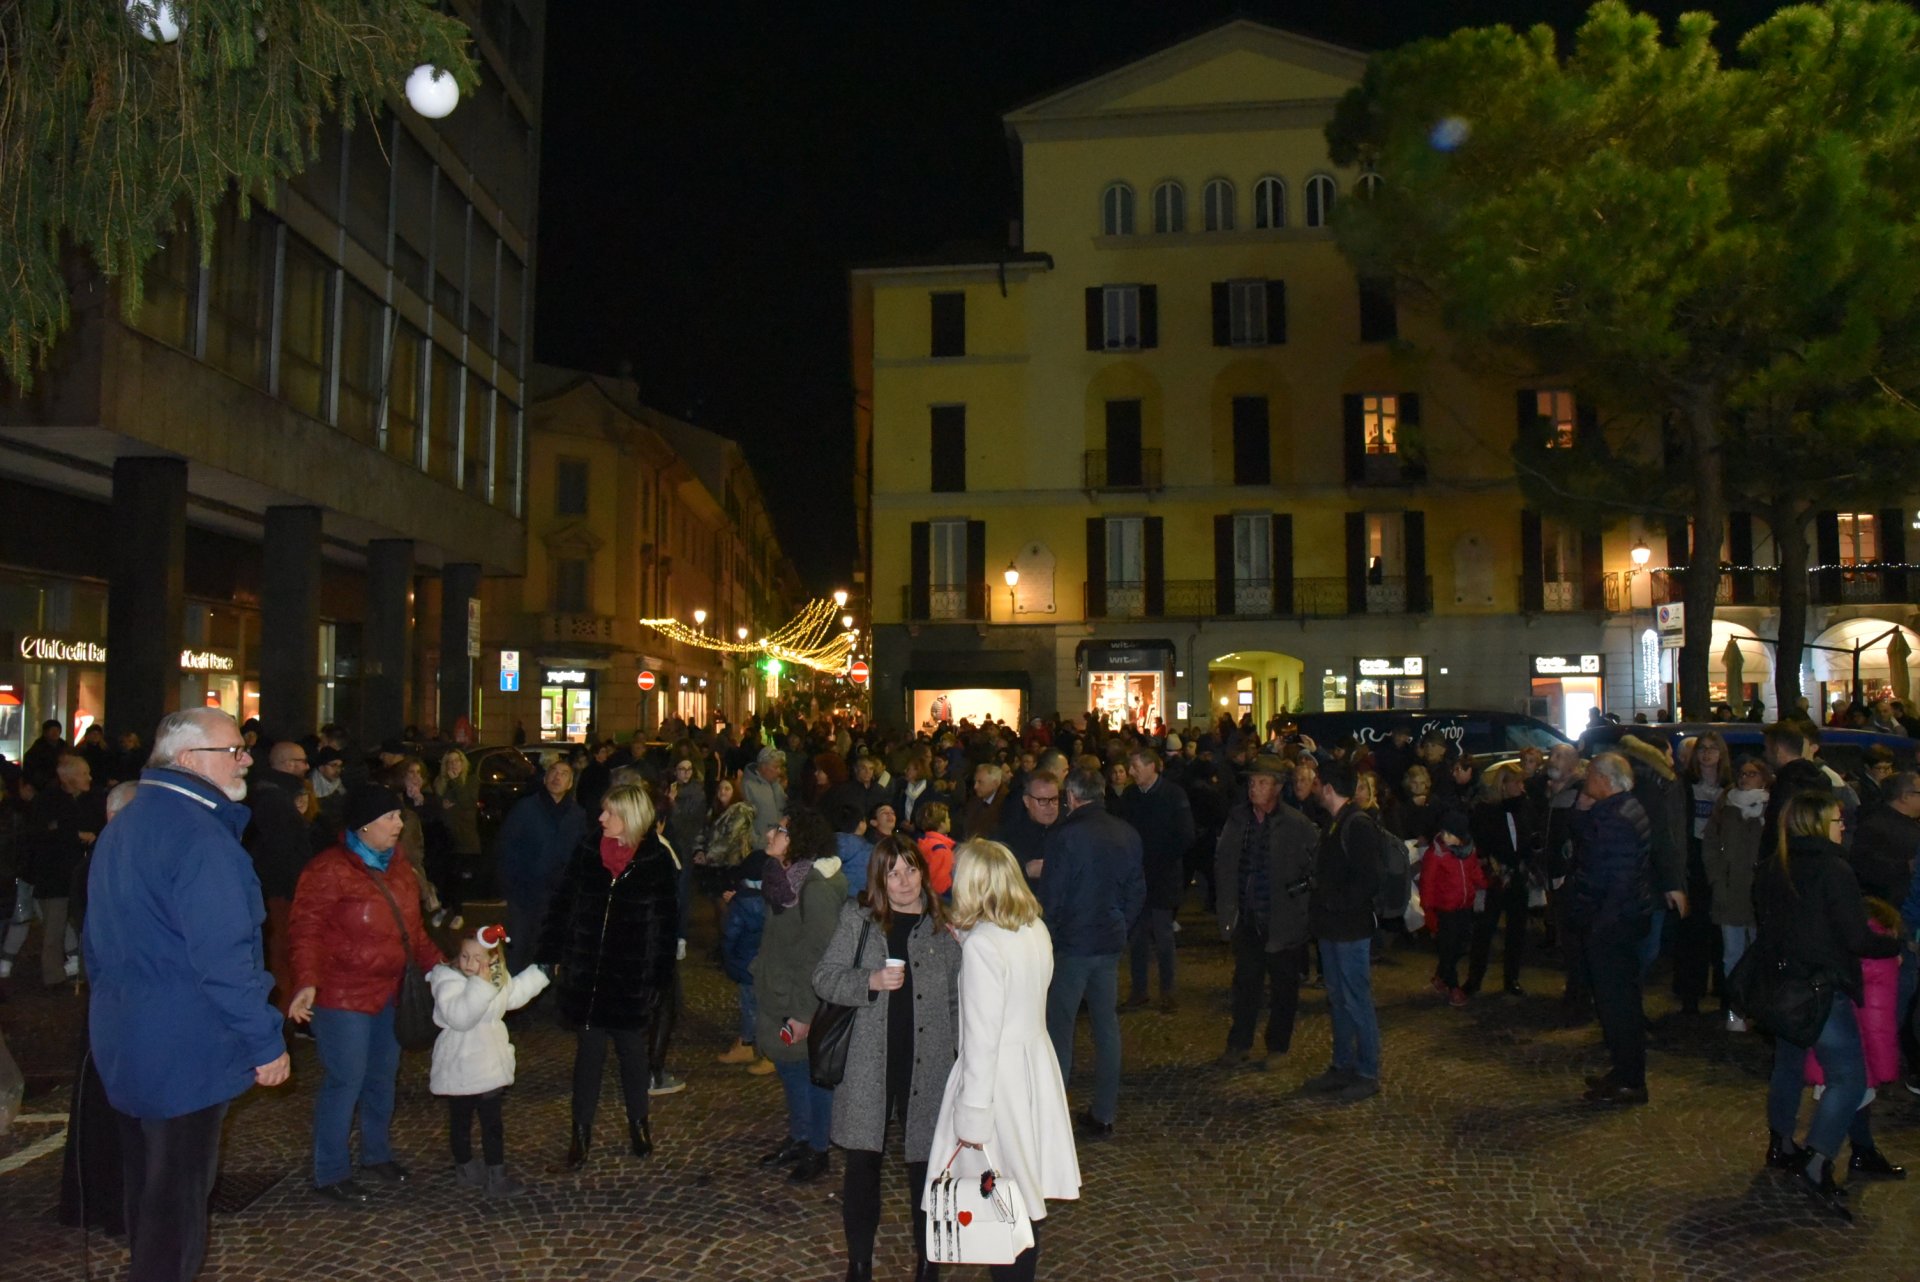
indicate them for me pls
(831, 1031)
(413, 1025)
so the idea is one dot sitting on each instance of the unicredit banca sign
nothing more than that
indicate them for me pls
(37, 649)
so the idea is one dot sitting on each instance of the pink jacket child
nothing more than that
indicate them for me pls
(1878, 1014)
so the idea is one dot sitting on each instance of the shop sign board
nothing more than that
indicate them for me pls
(205, 661)
(1567, 665)
(1411, 665)
(564, 677)
(41, 649)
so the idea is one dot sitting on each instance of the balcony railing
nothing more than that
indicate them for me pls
(945, 601)
(577, 629)
(1251, 599)
(1734, 587)
(1557, 596)
(1121, 469)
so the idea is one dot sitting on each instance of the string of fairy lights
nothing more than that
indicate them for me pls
(807, 639)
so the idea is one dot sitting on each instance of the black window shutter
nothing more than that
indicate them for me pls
(1593, 572)
(1740, 552)
(1414, 532)
(1096, 567)
(1586, 422)
(1282, 563)
(1356, 563)
(1826, 551)
(1276, 311)
(1533, 597)
(1353, 438)
(1096, 319)
(1154, 556)
(1223, 565)
(976, 569)
(1149, 316)
(1413, 451)
(1378, 321)
(948, 429)
(920, 589)
(1892, 551)
(1222, 314)
(949, 324)
(1252, 441)
(1526, 414)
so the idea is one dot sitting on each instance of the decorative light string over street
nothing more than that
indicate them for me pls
(840, 599)
(432, 92)
(741, 631)
(699, 618)
(805, 639)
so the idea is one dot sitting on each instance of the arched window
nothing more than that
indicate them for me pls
(1368, 185)
(1218, 199)
(1116, 210)
(1269, 203)
(1169, 208)
(1320, 194)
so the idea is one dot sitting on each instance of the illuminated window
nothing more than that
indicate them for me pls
(1169, 208)
(1555, 409)
(1269, 203)
(1320, 194)
(1859, 539)
(1116, 210)
(1218, 200)
(1380, 423)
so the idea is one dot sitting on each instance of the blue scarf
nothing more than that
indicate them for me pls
(374, 859)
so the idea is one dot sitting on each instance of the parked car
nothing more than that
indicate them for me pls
(1483, 735)
(506, 774)
(1844, 750)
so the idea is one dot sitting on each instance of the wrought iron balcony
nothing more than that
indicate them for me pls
(1121, 469)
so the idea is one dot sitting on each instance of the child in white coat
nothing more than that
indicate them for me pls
(473, 1058)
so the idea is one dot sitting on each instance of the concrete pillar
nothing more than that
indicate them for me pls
(146, 586)
(290, 623)
(389, 620)
(459, 583)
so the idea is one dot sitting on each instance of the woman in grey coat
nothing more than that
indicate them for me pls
(905, 1028)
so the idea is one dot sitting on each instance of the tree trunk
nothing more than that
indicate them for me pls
(1789, 522)
(1703, 561)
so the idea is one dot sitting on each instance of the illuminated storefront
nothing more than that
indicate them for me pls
(566, 703)
(1127, 681)
(1566, 688)
(936, 698)
(1398, 681)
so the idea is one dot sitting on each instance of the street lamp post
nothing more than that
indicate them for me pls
(1012, 576)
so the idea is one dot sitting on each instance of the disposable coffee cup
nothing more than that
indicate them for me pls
(895, 963)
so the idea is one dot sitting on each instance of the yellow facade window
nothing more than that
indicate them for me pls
(1380, 423)
(1555, 408)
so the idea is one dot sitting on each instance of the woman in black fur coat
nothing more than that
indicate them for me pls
(609, 943)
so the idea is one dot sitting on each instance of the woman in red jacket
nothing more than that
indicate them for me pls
(349, 955)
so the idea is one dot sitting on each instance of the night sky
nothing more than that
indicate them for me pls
(711, 171)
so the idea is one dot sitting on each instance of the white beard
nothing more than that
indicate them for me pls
(236, 791)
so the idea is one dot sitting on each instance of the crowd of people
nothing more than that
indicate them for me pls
(968, 891)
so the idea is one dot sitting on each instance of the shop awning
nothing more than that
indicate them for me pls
(959, 679)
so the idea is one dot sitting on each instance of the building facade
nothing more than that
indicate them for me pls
(1169, 457)
(631, 515)
(277, 489)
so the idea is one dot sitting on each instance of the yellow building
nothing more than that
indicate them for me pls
(1170, 458)
(631, 514)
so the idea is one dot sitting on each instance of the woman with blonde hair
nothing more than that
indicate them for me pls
(1005, 1089)
(611, 932)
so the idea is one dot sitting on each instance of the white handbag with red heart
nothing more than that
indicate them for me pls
(975, 1215)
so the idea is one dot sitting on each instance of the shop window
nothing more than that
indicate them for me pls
(306, 325)
(1556, 413)
(1859, 542)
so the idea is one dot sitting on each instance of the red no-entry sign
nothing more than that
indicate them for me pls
(858, 673)
(646, 680)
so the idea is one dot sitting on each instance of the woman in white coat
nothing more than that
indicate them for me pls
(1005, 1093)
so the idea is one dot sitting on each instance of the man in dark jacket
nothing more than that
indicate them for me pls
(535, 842)
(62, 824)
(1790, 753)
(1263, 864)
(1023, 830)
(1669, 805)
(179, 1018)
(1612, 892)
(1346, 877)
(1092, 893)
(1507, 829)
(280, 843)
(1159, 812)
(43, 755)
(1889, 838)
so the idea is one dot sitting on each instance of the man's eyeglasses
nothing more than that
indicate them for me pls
(1053, 800)
(236, 751)
(781, 829)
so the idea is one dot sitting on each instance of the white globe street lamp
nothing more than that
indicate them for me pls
(432, 92)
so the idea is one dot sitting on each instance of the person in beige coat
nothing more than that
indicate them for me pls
(1005, 1093)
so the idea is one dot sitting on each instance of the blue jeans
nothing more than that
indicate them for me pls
(1650, 944)
(361, 1060)
(1843, 1062)
(809, 1107)
(1095, 980)
(1734, 942)
(1348, 967)
(749, 1012)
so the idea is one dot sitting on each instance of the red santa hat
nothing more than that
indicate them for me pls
(491, 936)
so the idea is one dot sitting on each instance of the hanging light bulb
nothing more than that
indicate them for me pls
(432, 92)
(154, 19)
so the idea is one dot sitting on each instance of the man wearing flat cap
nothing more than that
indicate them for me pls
(1262, 862)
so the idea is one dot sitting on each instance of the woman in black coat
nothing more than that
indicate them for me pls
(609, 941)
(1808, 912)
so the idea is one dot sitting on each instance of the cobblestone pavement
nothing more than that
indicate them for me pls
(1476, 1161)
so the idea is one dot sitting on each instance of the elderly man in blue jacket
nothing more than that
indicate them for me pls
(1092, 893)
(181, 1020)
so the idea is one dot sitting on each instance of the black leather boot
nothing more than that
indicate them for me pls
(1871, 1161)
(640, 1136)
(578, 1150)
(1782, 1153)
(790, 1151)
(1821, 1188)
(859, 1272)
